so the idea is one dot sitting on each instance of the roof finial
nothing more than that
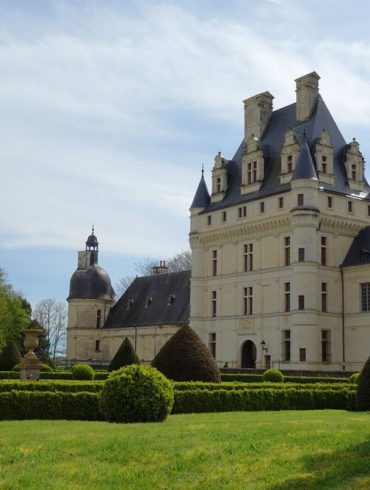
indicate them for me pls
(202, 169)
(92, 229)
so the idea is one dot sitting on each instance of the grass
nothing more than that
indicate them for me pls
(241, 450)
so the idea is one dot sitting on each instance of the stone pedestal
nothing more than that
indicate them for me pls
(30, 363)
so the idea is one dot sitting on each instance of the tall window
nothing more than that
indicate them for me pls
(349, 206)
(252, 172)
(212, 344)
(209, 220)
(281, 202)
(302, 355)
(301, 255)
(301, 302)
(353, 172)
(323, 250)
(262, 207)
(242, 212)
(218, 184)
(214, 262)
(97, 345)
(287, 296)
(290, 163)
(248, 257)
(286, 345)
(300, 199)
(330, 202)
(214, 303)
(98, 318)
(324, 297)
(325, 345)
(324, 165)
(287, 250)
(365, 296)
(223, 216)
(248, 301)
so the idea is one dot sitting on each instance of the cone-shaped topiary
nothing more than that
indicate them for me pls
(363, 388)
(185, 358)
(125, 356)
(9, 357)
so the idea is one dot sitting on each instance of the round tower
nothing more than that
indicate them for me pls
(90, 298)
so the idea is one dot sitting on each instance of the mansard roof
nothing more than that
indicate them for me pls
(160, 299)
(359, 251)
(202, 197)
(280, 122)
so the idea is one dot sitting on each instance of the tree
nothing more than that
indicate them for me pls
(15, 312)
(125, 356)
(179, 262)
(52, 315)
(363, 388)
(184, 357)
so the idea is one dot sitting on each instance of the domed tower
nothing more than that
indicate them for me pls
(90, 298)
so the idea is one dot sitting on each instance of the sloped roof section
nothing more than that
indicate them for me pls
(305, 168)
(161, 299)
(271, 143)
(359, 251)
(202, 197)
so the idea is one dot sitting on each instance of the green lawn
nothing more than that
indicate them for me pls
(243, 450)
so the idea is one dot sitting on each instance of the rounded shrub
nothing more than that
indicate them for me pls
(82, 371)
(184, 357)
(136, 394)
(125, 356)
(273, 376)
(363, 388)
(354, 378)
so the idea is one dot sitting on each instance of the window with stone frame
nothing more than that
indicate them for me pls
(365, 296)
(286, 345)
(301, 302)
(214, 262)
(287, 297)
(323, 250)
(324, 297)
(248, 257)
(98, 318)
(287, 250)
(325, 345)
(214, 303)
(212, 343)
(248, 300)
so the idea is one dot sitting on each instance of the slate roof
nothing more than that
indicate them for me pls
(271, 143)
(133, 310)
(202, 197)
(359, 251)
(91, 283)
(305, 168)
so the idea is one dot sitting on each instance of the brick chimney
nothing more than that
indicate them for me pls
(161, 268)
(307, 90)
(257, 112)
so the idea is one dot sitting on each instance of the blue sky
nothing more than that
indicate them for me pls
(109, 109)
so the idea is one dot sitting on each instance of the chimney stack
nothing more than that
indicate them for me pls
(257, 112)
(160, 269)
(307, 90)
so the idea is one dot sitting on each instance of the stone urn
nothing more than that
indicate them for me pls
(30, 363)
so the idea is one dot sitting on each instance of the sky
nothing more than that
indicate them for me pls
(108, 110)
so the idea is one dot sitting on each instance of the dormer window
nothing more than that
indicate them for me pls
(218, 184)
(171, 299)
(324, 158)
(289, 155)
(353, 172)
(148, 302)
(219, 178)
(324, 165)
(354, 164)
(130, 302)
(253, 166)
(290, 164)
(252, 172)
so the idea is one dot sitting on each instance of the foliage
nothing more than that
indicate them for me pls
(181, 261)
(254, 378)
(82, 371)
(198, 385)
(67, 386)
(9, 357)
(354, 378)
(136, 394)
(20, 405)
(273, 375)
(14, 312)
(184, 357)
(191, 401)
(363, 388)
(125, 356)
(51, 315)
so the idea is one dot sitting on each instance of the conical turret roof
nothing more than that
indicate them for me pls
(202, 197)
(305, 168)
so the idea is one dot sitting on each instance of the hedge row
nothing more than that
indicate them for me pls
(65, 386)
(255, 378)
(99, 375)
(194, 385)
(18, 405)
(263, 399)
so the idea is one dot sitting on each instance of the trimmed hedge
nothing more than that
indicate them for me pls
(363, 388)
(202, 401)
(255, 378)
(21, 405)
(65, 386)
(193, 385)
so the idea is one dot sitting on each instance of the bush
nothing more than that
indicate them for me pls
(66, 386)
(363, 388)
(253, 378)
(9, 357)
(354, 378)
(125, 356)
(185, 358)
(82, 371)
(136, 394)
(273, 376)
(21, 405)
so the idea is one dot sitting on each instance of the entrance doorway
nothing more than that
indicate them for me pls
(249, 354)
